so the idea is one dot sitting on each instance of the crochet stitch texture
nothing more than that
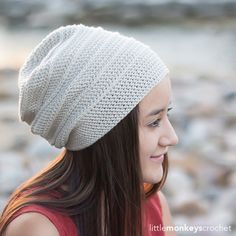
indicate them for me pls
(81, 81)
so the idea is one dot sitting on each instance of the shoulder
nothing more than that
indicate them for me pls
(31, 224)
(166, 214)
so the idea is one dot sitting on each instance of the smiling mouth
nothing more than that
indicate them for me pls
(157, 158)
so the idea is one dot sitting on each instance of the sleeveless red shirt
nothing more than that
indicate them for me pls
(66, 226)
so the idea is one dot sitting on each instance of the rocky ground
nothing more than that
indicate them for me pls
(201, 185)
(43, 13)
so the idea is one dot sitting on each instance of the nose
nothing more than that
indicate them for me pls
(169, 136)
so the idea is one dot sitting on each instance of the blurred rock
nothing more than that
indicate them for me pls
(11, 136)
(232, 179)
(230, 95)
(190, 208)
(8, 88)
(9, 111)
(12, 171)
(228, 138)
(211, 193)
(178, 179)
(197, 132)
(41, 148)
(40, 153)
(42, 13)
(3, 202)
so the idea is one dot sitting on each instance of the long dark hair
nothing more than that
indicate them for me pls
(104, 185)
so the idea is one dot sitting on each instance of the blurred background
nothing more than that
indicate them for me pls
(196, 39)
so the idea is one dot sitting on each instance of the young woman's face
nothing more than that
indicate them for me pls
(156, 133)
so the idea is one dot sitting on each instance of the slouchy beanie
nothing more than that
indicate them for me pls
(80, 81)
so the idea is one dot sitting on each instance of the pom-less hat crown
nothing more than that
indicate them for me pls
(81, 81)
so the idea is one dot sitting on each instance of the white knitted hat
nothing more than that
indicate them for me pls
(81, 81)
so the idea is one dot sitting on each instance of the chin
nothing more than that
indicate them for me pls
(153, 179)
(153, 175)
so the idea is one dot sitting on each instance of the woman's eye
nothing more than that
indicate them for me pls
(156, 123)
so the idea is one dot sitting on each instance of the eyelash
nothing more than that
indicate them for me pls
(158, 120)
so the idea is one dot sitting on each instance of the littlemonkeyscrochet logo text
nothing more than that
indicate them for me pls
(190, 228)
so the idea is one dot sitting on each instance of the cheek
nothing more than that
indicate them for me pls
(148, 140)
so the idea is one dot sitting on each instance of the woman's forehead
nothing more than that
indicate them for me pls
(158, 97)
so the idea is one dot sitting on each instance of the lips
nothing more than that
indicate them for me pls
(158, 159)
(157, 156)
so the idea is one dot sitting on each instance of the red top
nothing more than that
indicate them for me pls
(66, 226)
(154, 221)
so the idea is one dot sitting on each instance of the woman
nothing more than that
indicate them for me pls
(104, 98)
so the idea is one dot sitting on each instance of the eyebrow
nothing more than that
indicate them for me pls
(157, 111)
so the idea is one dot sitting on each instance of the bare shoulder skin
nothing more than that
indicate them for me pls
(167, 218)
(31, 224)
